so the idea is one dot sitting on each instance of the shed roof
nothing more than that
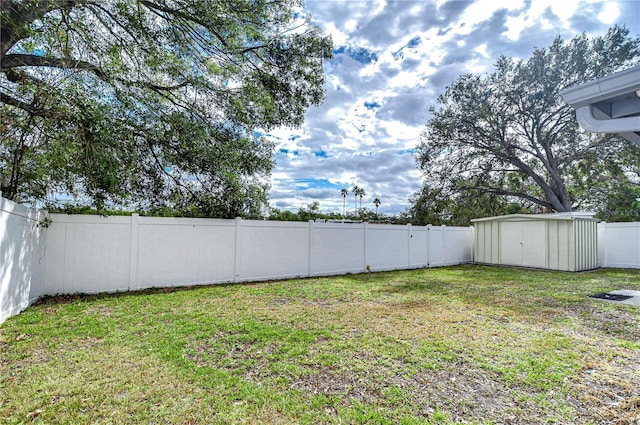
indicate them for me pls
(609, 105)
(555, 216)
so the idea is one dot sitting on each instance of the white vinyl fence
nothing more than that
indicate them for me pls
(92, 254)
(20, 242)
(619, 245)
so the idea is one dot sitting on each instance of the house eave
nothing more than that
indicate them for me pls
(611, 86)
(609, 105)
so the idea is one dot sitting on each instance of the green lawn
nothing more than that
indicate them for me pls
(465, 344)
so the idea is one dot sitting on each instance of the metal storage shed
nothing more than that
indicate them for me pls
(562, 241)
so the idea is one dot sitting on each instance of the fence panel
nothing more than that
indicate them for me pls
(337, 248)
(458, 245)
(437, 246)
(20, 257)
(273, 250)
(619, 244)
(178, 251)
(387, 247)
(91, 254)
(87, 254)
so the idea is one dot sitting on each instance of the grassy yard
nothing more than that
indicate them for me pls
(466, 344)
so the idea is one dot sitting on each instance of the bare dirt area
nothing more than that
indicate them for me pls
(609, 392)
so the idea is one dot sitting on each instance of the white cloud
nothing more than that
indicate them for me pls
(564, 9)
(482, 50)
(338, 37)
(610, 13)
(483, 10)
(515, 25)
(350, 26)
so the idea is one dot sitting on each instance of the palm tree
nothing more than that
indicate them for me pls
(344, 192)
(377, 203)
(361, 194)
(355, 190)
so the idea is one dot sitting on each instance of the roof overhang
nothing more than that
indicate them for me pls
(564, 216)
(609, 105)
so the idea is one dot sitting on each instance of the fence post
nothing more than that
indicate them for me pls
(444, 245)
(409, 236)
(473, 243)
(237, 257)
(602, 243)
(428, 245)
(311, 230)
(365, 229)
(133, 252)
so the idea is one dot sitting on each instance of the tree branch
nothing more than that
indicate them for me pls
(518, 195)
(18, 59)
(158, 8)
(552, 196)
(152, 86)
(27, 107)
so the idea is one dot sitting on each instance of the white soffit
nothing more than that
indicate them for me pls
(609, 105)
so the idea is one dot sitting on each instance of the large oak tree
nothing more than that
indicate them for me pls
(151, 103)
(509, 133)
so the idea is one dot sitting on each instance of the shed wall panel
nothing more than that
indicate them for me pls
(564, 227)
(486, 247)
(586, 245)
(495, 246)
(479, 243)
(534, 243)
(553, 249)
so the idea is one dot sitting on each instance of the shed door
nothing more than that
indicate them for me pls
(523, 243)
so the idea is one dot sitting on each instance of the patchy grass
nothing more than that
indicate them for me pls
(467, 344)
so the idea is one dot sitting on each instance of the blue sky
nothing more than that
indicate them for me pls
(391, 61)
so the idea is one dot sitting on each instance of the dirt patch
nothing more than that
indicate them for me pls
(607, 389)
(464, 394)
(60, 299)
(472, 394)
(280, 301)
(618, 322)
(221, 352)
(609, 393)
(101, 310)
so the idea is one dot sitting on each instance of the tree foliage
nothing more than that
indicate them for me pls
(437, 205)
(509, 133)
(154, 103)
(617, 196)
